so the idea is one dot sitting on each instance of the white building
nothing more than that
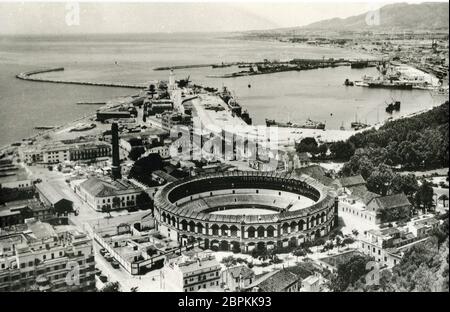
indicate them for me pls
(100, 194)
(191, 272)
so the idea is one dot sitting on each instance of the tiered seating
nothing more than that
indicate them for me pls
(206, 203)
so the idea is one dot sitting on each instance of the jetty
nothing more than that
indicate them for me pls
(31, 76)
(44, 127)
(91, 103)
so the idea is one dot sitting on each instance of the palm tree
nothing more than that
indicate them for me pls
(443, 198)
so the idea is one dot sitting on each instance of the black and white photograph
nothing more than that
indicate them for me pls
(245, 148)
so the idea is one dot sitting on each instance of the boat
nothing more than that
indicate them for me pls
(357, 125)
(393, 106)
(359, 64)
(347, 82)
(230, 100)
(361, 84)
(309, 124)
(44, 127)
(83, 127)
(390, 85)
(220, 65)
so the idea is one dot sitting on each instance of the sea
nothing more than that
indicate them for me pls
(318, 94)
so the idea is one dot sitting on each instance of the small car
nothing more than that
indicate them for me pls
(115, 264)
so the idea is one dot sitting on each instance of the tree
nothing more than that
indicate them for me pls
(308, 145)
(441, 233)
(424, 196)
(443, 198)
(107, 209)
(358, 164)
(380, 180)
(116, 202)
(322, 150)
(136, 152)
(299, 252)
(394, 214)
(349, 272)
(143, 167)
(405, 183)
(342, 150)
(143, 201)
(417, 271)
(111, 287)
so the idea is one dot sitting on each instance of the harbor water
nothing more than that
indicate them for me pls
(318, 94)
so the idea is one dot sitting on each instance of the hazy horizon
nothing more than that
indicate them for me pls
(57, 18)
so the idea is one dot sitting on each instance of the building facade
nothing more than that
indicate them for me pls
(189, 273)
(46, 258)
(59, 153)
(100, 194)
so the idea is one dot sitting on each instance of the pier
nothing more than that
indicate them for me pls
(29, 76)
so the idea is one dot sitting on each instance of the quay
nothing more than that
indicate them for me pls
(29, 76)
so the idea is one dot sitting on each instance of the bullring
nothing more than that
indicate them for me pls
(241, 210)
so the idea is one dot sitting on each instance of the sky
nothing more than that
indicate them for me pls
(31, 17)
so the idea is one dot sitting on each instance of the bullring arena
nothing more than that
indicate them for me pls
(242, 210)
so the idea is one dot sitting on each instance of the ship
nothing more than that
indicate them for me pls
(309, 124)
(220, 65)
(390, 85)
(228, 98)
(393, 106)
(83, 127)
(357, 125)
(359, 64)
(246, 117)
(347, 82)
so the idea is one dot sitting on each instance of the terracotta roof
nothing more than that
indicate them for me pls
(392, 201)
(51, 192)
(316, 172)
(102, 188)
(276, 281)
(352, 181)
(240, 270)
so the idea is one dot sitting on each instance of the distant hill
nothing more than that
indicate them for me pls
(423, 16)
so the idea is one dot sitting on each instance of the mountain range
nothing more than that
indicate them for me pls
(398, 16)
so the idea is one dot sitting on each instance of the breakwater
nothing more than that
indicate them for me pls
(30, 76)
(196, 66)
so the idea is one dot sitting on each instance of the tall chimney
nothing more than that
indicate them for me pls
(115, 170)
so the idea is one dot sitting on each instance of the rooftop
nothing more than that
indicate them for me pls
(103, 188)
(392, 201)
(51, 192)
(352, 181)
(275, 281)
